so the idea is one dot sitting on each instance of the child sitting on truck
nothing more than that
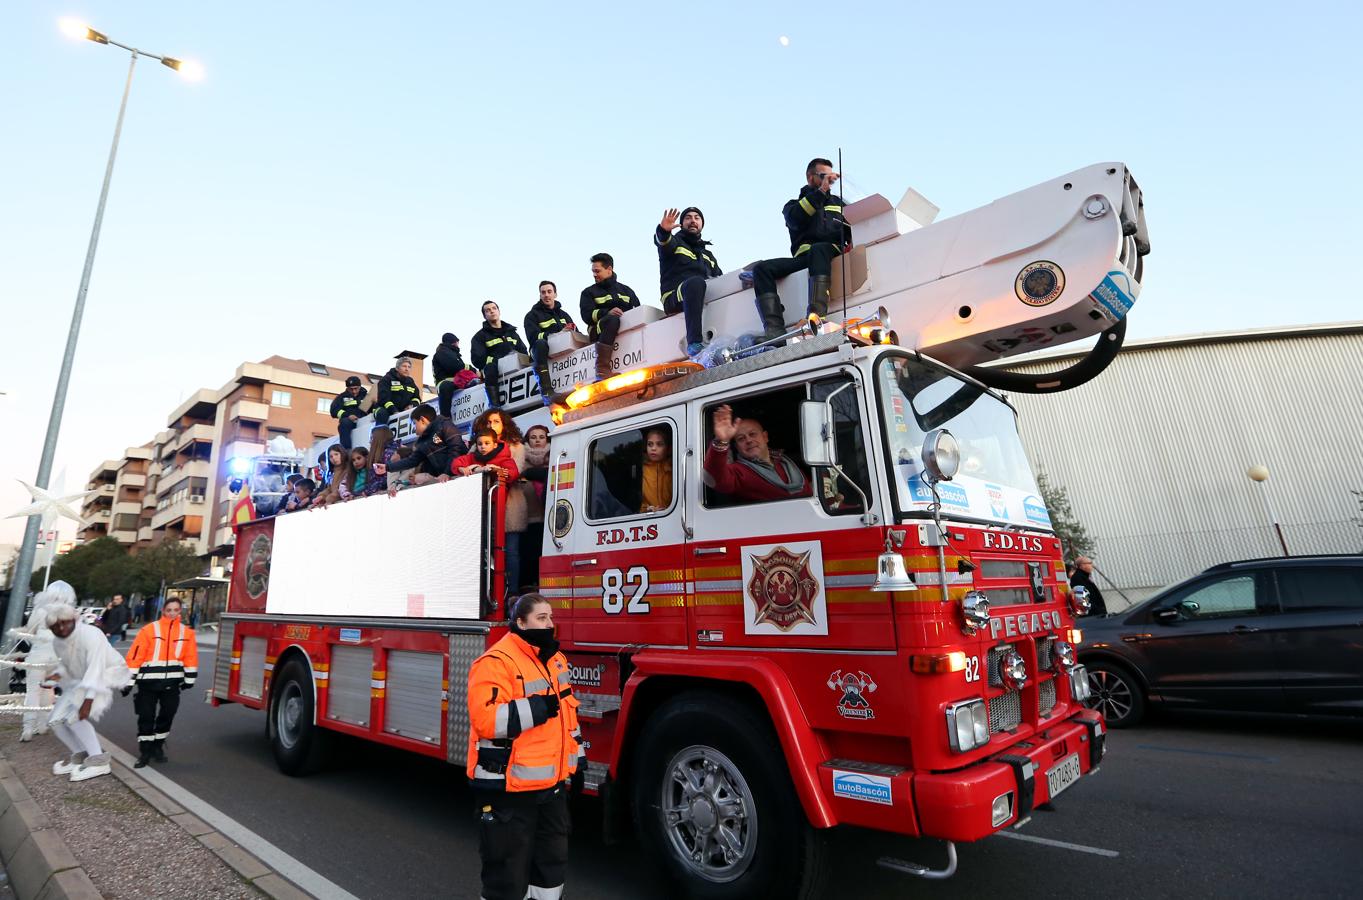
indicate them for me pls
(487, 455)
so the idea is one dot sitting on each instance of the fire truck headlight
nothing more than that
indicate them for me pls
(967, 725)
(1002, 809)
(1079, 684)
(1063, 654)
(240, 466)
(1013, 670)
(941, 455)
(975, 610)
(1080, 601)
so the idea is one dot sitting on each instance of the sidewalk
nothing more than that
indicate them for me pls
(113, 836)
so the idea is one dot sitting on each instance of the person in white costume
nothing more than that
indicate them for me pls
(88, 672)
(41, 654)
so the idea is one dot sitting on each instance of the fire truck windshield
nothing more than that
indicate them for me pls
(994, 483)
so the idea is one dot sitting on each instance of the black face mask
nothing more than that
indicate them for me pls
(542, 639)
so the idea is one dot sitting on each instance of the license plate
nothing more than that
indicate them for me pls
(1063, 774)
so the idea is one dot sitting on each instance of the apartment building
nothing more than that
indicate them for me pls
(175, 487)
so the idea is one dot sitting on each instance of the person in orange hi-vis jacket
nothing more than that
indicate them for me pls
(525, 752)
(164, 659)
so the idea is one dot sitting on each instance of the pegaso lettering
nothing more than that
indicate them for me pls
(1023, 623)
(1002, 540)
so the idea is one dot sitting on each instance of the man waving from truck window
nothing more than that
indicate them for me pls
(524, 749)
(759, 472)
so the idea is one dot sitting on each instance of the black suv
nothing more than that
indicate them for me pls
(1265, 635)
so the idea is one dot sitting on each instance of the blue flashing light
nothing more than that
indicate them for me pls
(239, 466)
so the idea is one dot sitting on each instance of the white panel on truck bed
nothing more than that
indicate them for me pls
(416, 555)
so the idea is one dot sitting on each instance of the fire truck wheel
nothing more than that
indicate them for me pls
(715, 803)
(1115, 693)
(299, 745)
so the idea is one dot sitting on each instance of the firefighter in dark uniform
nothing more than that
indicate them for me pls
(446, 363)
(525, 749)
(545, 318)
(602, 304)
(684, 264)
(397, 391)
(493, 341)
(818, 232)
(345, 409)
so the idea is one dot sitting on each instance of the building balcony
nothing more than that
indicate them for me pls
(187, 513)
(144, 534)
(124, 537)
(194, 433)
(170, 478)
(128, 507)
(243, 448)
(223, 536)
(132, 479)
(105, 490)
(248, 411)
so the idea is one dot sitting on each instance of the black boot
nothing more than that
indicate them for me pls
(158, 752)
(547, 386)
(820, 286)
(773, 316)
(142, 759)
(603, 361)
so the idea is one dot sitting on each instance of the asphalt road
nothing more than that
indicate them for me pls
(1192, 806)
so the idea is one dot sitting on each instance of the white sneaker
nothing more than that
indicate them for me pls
(25, 736)
(83, 772)
(67, 766)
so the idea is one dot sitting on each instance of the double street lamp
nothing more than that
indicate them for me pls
(23, 566)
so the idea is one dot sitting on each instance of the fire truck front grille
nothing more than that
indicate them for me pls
(1046, 700)
(992, 664)
(1043, 653)
(1005, 712)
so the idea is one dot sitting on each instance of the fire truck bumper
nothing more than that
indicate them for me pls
(975, 802)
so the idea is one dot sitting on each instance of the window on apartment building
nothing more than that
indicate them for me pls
(318, 369)
(324, 405)
(281, 398)
(276, 431)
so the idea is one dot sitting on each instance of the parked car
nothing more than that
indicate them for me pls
(90, 615)
(1265, 635)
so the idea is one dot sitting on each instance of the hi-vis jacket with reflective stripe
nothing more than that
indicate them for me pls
(513, 744)
(816, 218)
(541, 322)
(681, 256)
(164, 652)
(598, 300)
(493, 343)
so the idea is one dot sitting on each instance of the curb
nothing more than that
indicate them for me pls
(41, 866)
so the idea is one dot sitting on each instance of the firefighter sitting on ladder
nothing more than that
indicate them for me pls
(164, 659)
(524, 749)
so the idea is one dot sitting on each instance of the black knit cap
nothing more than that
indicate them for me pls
(696, 210)
(353, 381)
(449, 337)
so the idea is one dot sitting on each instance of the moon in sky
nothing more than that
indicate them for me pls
(785, 41)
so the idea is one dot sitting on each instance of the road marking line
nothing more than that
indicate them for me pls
(1195, 752)
(1064, 845)
(287, 866)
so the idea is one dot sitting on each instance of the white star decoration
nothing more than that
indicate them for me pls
(49, 507)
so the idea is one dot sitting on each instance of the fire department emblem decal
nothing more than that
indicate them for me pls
(258, 566)
(783, 593)
(853, 688)
(1040, 283)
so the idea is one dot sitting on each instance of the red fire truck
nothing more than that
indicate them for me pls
(893, 650)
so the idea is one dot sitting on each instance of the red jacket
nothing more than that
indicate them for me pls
(503, 460)
(737, 480)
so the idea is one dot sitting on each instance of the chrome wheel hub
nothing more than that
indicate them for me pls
(709, 815)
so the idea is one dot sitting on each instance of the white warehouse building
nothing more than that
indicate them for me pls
(1154, 453)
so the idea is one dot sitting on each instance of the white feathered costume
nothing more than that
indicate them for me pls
(41, 653)
(89, 668)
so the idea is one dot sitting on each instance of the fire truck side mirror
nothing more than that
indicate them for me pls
(816, 434)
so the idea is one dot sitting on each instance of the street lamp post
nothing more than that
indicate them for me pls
(23, 566)
(1259, 474)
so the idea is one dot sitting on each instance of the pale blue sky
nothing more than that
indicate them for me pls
(350, 178)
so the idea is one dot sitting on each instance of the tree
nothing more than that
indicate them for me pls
(169, 561)
(76, 566)
(116, 575)
(1074, 538)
